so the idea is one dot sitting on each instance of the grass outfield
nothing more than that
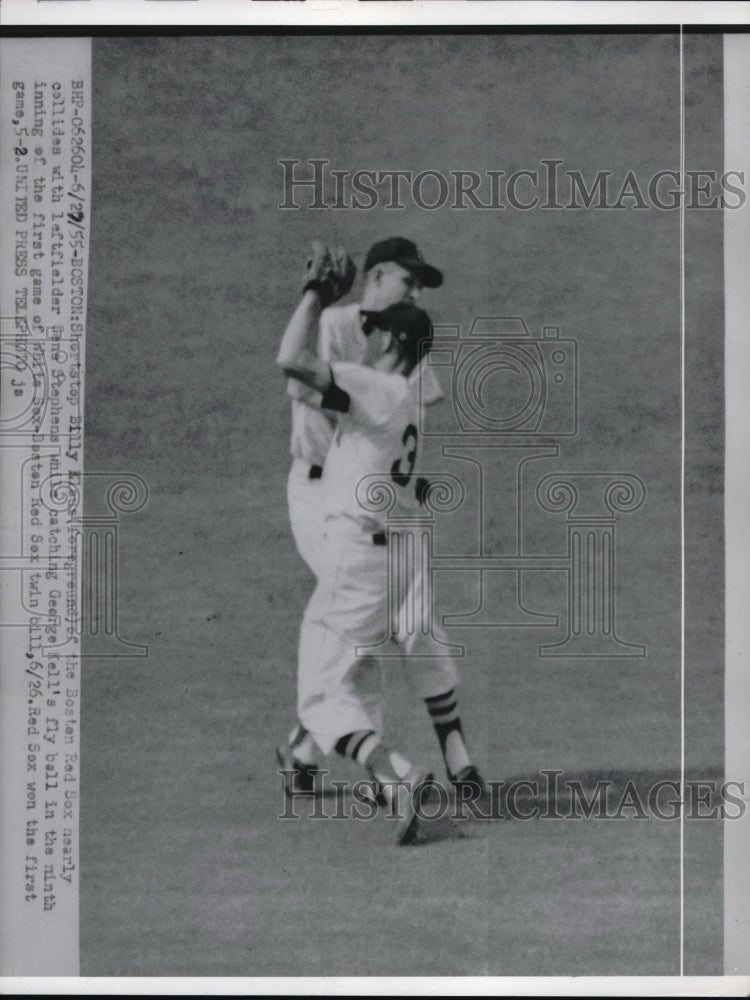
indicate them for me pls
(186, 868)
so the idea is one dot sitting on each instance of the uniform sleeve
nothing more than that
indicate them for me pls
(432, 391)
(374, 396)
(303, 393)
(332, 335)
(341, 337)
(328, 349)
(326, 344)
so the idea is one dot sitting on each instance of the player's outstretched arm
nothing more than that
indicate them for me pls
(297, 355)
(328, 276)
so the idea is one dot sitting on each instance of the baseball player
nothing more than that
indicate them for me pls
(340, 698)
(394, 272)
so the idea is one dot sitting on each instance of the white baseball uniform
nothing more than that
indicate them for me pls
(339, 693)
(340, 338)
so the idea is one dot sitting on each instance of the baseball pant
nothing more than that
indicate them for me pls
(340, 692)
(305, 501)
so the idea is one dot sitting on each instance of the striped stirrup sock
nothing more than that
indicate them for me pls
(443, 709)
(366, 748)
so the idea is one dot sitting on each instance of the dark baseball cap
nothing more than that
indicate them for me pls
(411, 327)
(404, 253)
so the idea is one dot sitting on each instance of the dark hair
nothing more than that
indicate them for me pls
(409, 326)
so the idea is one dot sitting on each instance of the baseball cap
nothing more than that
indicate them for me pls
(404, 253)
(409, 325)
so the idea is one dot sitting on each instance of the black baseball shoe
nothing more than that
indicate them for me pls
(298, 778)
(374, 791)
(424, 814)
(409, 797)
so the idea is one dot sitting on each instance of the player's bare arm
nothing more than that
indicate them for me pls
(297, 355)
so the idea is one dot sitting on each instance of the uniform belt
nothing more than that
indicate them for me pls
(316, 471)
(379, 538)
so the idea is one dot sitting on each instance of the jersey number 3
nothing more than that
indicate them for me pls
(399, 477)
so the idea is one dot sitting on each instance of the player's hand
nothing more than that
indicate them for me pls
(330, 274)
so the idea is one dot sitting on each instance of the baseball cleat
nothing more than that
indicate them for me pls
(371, 791)
(378, 795)
(425, 818)
(298, 778)
(471, 789)
(410, 797)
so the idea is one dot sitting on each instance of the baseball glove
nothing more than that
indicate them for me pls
(330, 274)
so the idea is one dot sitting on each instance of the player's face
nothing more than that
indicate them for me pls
(390, 284)
(377, 344)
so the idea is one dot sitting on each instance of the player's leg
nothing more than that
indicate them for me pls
(433, 684)
(299, 756)
(385, 766)
(339, 692)
(434, 679)
(398, 785)
(446, 720)
(433, 676)
(299, 774)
